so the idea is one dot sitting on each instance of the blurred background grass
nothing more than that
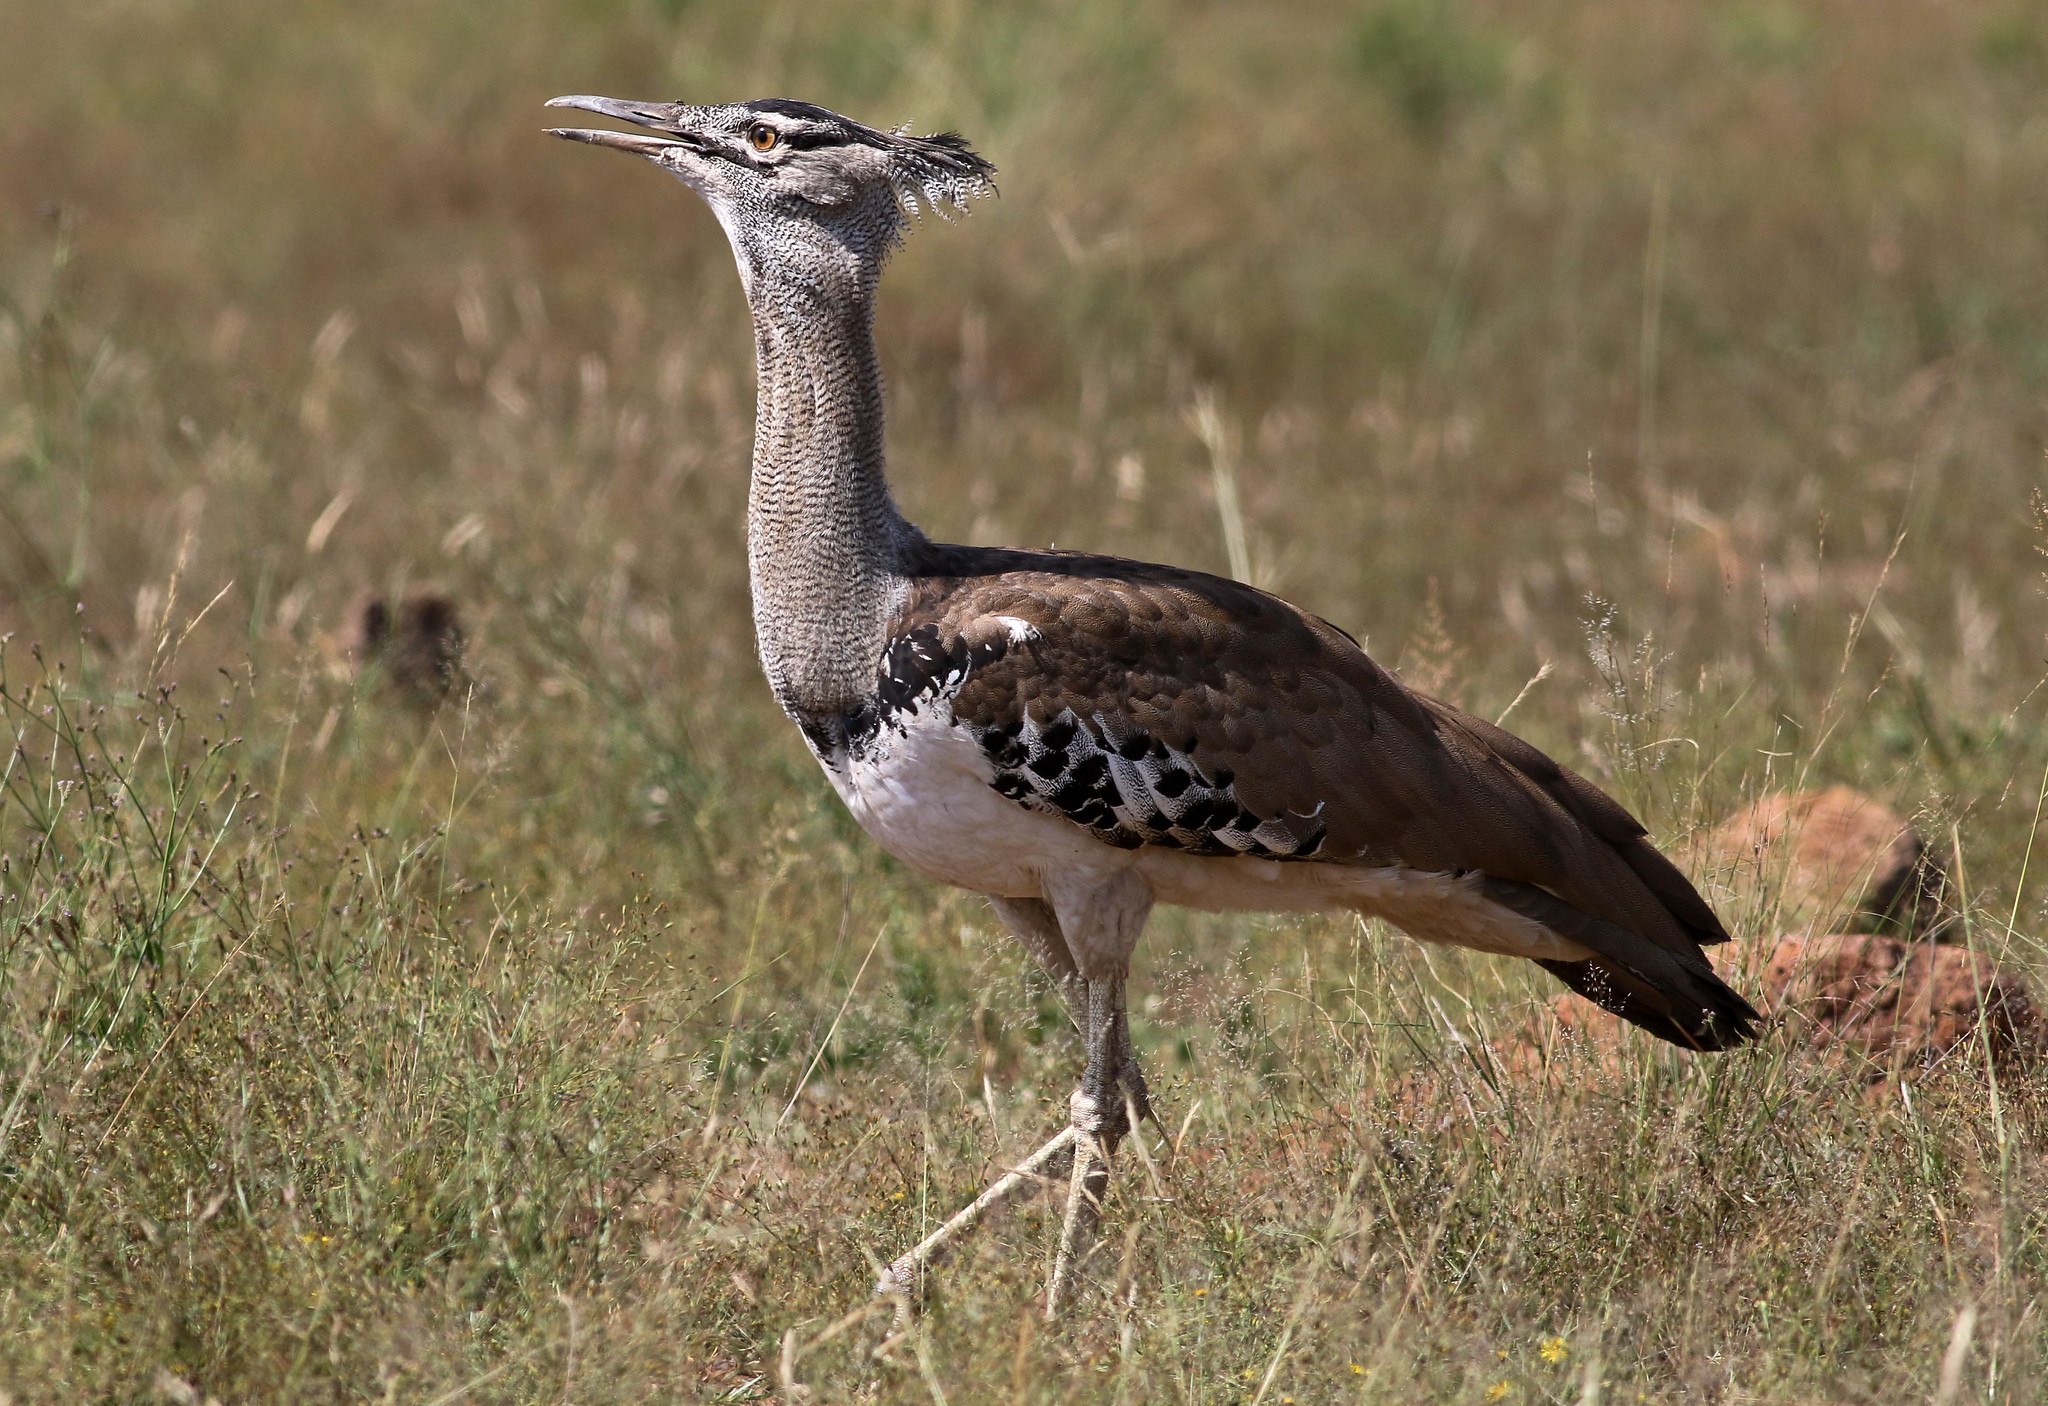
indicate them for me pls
(1694, 351)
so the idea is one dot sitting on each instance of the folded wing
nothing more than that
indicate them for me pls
(1156, 706)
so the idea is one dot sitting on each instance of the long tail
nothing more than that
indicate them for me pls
(1674, 998)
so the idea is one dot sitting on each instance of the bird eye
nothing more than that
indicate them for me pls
(763, 136)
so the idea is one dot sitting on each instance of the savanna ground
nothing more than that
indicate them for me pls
(568, 1042)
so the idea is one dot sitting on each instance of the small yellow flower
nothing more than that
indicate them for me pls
(1501, 1353)
(1201, 1293)
(1498, 1391)
(1552, 1351)
(1356, 1370)
(899, 1196)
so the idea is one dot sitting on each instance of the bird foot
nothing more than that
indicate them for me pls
(1109, 1104)
(902, 1279)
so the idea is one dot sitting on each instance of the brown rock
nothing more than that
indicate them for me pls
(1899, 1006)
(416, 644)
(1836, 859)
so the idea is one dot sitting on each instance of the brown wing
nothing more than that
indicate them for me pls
(1160, 706)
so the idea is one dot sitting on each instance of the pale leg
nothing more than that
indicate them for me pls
(1111, 1096)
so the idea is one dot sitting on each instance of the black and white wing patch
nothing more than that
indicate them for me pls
(1132, 789)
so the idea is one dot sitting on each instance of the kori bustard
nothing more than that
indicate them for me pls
(1080, 737)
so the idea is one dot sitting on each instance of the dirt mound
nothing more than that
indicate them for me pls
(1896, 1007)
(1838, 859)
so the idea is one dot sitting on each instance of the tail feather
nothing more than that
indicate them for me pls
(1678, 999)
(1709, 1018)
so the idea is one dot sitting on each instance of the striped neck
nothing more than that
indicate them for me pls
(825, 542)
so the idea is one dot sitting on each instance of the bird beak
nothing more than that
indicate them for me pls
(660, 116)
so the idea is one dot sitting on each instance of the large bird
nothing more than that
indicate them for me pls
(1080, 737)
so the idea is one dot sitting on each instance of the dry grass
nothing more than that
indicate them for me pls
(568, 1042)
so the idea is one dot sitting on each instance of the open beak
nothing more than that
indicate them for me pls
(659, 116)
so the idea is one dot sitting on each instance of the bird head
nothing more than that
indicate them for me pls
(775, 170)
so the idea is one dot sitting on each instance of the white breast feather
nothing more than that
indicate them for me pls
(921, 789)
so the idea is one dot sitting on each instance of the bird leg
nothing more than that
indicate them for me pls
(1036, 927)
(1109, 1102)
(1111, 1098)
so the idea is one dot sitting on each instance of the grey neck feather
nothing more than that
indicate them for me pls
(825, 542)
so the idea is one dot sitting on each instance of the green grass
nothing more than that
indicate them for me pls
(571, 1043)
